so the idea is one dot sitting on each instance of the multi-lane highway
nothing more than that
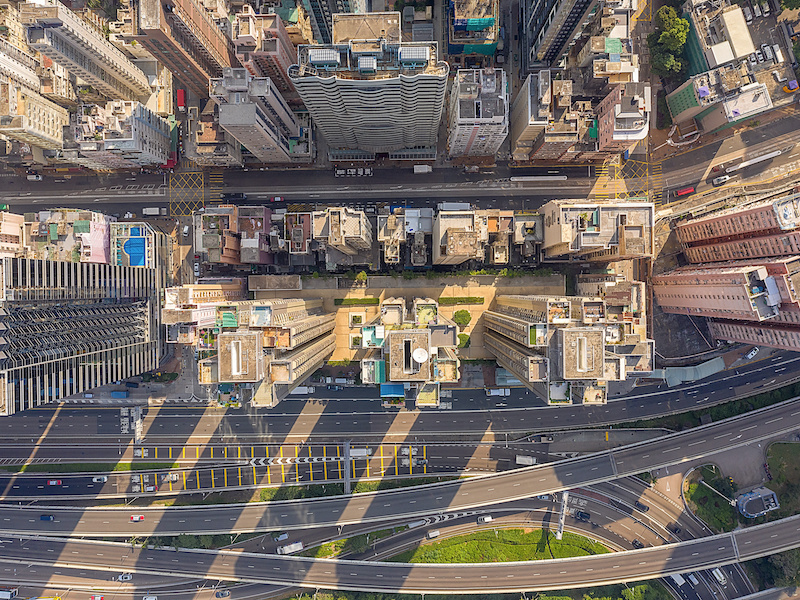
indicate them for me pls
(424, 500)
(292, 421)
(649, 563)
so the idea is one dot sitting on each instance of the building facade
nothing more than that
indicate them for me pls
(71, 327)
(56, 31)
(623, 117)
(27, 117)
(255, 113)
(182, 35)
(369, 92)
(478, 112)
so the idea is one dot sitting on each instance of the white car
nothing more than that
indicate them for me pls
(101, 479)
(752, 353)
(197, 269)
(125, 577)
(759, 56)
(720, 180)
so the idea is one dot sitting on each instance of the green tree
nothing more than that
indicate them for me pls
(463, 340)
(790, 4)
(666, 17)
(361, 277)
(788, 565)
(674, 38)
(462, 318)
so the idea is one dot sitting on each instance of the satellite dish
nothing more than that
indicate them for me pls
(420, 355)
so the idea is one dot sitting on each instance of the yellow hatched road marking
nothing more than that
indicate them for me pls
(269, 472)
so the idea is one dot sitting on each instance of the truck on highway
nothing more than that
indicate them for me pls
(303, 389)
(360, 452)
(290, 548)
(420, 169)
(117, 394)
(525, 460)
(719, 576)
(498, 392)
(154, 211)
(417, 523)
(679, 581)
(8, 592)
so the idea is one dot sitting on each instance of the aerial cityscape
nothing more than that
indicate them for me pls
(359, 300)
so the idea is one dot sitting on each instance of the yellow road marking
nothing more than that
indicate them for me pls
(396, 469)
(325, 463)
(170, 451)
(184, 480)
(269, 472)
(382, 469)
(197, 478)
(296, 464)
(339, 455)
(197, 451)
(367, 465)
(255, 481)
(238, 452)
(283, 470)
(212, 479)
(225, 476)
(252, 452)
(212, 451)
(310, 465)
(424, 456)
(155, 452)
(226, 451)
(240, 476)
(183, 452)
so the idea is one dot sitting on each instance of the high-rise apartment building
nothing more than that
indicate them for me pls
(598, 231)
(370, 92)
(473, 27)
(568, 349)
(12, 240)
(751, 301)
(18, 65)
(530, 113)
(268, 347)
(768, 228)
(182, 35)
(344, 229)
(410, 352)
(549, 26)
(744, 293)
(255, 113)
(56, 31)
(456, 237)
(623, 117)
(27, 117)
(209, 145)
(263, 48)
(120, 135)
(478, 112)
(69, 327)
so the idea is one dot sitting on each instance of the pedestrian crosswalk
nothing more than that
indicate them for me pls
(215, 185)
(656, 183)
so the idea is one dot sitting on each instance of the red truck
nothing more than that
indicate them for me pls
(182, 100)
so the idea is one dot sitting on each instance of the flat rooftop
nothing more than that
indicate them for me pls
(352, 27)
(403, 345)
(582, 351)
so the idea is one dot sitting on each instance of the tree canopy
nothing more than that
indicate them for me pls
(667, 43)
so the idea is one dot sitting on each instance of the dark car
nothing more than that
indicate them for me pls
(234, 196)
(637, 544)
(641, 507)
(672, 528)
(223, 593)
(582, 516)
(47, 518)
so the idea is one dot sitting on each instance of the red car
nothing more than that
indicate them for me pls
(53, 482)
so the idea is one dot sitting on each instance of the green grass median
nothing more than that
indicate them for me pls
(502, 545)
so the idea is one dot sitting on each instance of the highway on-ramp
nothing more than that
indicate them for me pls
(603, 569)
(418, 501)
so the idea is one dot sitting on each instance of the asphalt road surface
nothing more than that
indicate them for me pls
(418, 501)
(649, 563)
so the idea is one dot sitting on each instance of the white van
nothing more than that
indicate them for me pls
(765, 9)
(150, 598)
(433, 534)
(693, 579)
(747, 14)
(756, 9)
(485, 519)
(719, 576)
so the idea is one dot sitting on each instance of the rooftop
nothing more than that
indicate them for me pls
(481, 95)
(582, 351)
(409, 355)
